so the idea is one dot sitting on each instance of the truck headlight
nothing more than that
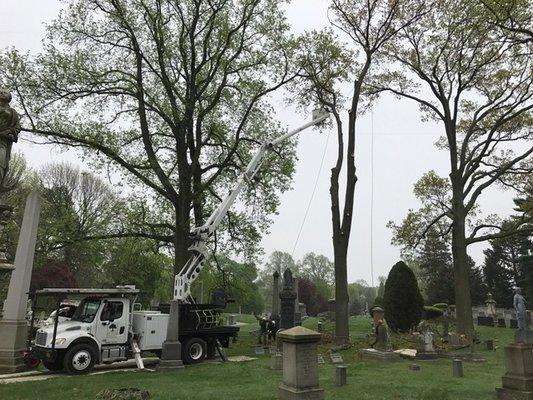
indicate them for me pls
(60, 341)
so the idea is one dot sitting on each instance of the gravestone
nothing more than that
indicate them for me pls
(259, 350)
(331, 308)
(276, 362)
(381, 347)
(287, 297)
(320, 359)
(414, 367)
(501, 323)
(303, 310)
(300, 365)
(513, 323)
(13, 326)
(231, 319)
(319, 326)
(340, 375)
(489, 345)
(426, 350)
(336, 358)
(457, 368)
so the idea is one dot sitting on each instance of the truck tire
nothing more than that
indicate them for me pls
(194, 351)
(79, 359)
(56, 365)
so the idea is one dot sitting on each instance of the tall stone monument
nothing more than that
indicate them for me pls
(171, 352)
(13, 326)
(518, 380)
(274, 315)
(297, 313)
(288, 298)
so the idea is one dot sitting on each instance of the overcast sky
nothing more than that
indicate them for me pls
(403, 150)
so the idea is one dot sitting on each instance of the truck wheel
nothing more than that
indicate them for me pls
(194, 351)
(79, 359)
(56, 365)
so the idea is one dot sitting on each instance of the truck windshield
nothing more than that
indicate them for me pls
(86, 311)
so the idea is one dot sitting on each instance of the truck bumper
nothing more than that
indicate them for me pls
(44, 354)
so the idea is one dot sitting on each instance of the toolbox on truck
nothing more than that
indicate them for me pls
(151, 328)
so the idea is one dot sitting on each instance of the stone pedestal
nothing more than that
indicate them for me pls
(518, 380)
(14, 327)
(300, 365)
(171, 351)
(14, 334)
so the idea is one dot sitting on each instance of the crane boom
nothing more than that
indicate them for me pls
(185, 278)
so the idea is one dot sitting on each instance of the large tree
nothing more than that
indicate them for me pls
(466, 74)
(328, 64)
(170, 94)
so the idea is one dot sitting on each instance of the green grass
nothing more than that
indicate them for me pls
(254, 379)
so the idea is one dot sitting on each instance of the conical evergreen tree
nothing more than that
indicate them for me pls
(403, 302)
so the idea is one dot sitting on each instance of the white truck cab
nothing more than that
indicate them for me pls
(98, 331)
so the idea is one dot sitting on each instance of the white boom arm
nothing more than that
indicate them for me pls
(193, 267)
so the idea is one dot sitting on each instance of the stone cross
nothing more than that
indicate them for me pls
(300, 365)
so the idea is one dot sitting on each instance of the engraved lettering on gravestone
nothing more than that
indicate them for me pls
(320, 359)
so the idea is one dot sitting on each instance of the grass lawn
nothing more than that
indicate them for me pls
(254, 379)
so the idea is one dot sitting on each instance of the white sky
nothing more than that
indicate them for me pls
(403, 150)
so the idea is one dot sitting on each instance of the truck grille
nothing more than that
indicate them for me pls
(40, 339)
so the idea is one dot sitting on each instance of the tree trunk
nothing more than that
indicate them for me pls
(342, 329)
(463, 302)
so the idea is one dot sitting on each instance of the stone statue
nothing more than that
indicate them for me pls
(9, 130)
(491, 306)
(519, 304)
(288, 280)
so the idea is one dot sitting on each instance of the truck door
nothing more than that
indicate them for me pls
(113, 322)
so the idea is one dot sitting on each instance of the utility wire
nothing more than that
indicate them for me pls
(312, 195)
